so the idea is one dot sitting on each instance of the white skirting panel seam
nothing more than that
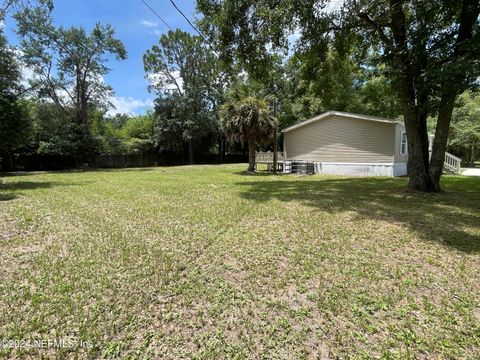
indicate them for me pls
(363, 169)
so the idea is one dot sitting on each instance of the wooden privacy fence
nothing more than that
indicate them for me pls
(127, 161)
(65, 162)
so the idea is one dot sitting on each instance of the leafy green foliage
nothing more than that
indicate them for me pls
(9, 68)
(247, 117)
(54, 130)
(185, 75)
(465, 131)
(69, 65)
(181, 62)
(15, 124)
(249, 35)
(338, 84)
(139, 127)
(17, 5)
(124, 134)
(15, 120)
(314, 76)
(175, 126)
(137, 134)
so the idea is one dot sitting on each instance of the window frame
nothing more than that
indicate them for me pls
(403, 151)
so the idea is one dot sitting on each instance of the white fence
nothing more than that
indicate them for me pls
(267, 157)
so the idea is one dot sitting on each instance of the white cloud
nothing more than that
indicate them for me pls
(153, 26)
(149, 24)
(331, 7)
(155, 78)
(129, 105)
(178, 78)
(27, 73)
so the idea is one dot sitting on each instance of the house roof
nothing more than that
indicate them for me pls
(344, 114)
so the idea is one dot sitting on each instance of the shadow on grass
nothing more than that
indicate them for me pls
(70, 171)
(30, 185)
(132, 169)
(260, 173)
(7, 197)
(451, 218)
(8, 190)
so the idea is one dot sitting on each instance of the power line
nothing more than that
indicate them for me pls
(188, 20)
(157, 15)
(193, 26)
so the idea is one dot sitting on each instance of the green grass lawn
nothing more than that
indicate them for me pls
(205, 262)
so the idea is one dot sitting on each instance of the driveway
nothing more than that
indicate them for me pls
(471, 172)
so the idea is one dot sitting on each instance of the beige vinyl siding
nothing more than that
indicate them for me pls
(399, 158)
(342, 139)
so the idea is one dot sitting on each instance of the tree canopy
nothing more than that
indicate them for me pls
(184, 73)
(15, 121)
(68, 64)
(247, 117)
(465, 131)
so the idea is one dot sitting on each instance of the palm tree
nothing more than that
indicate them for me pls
(246, 116)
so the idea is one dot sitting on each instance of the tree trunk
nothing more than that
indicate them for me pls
(450, 88)
(413, 101)
(472, 156)
(417, 167)
(221, 149)
(467, 156)
(251, 156)
(415, 118)
(439, 148)
(83, 131)
(425, 176)
(190, 152)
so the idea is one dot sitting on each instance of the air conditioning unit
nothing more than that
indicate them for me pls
(302, 167)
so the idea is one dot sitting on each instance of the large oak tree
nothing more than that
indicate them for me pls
(432, 50)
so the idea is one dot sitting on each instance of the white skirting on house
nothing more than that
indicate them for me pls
(400, 169)
(356, 169)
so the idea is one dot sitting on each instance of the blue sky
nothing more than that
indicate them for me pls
(136, 26)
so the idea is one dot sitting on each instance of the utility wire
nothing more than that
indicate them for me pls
(193, 26)
(163, 21)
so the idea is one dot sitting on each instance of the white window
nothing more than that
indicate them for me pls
(403, 143)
